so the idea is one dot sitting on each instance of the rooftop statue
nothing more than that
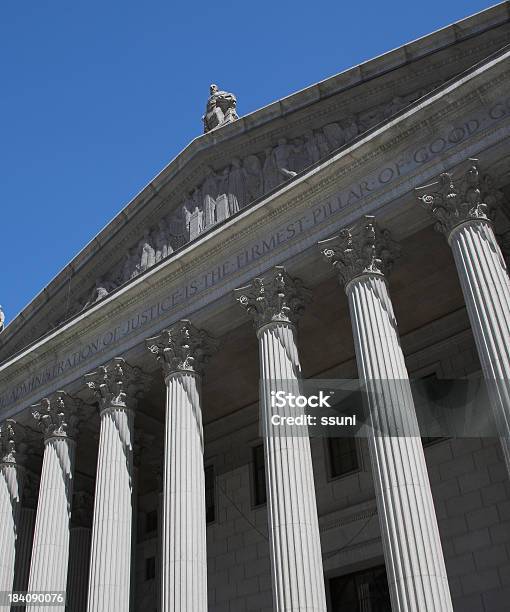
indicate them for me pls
(220, 109)
(2, 319)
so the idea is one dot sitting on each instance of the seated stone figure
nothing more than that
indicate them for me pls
(220, 109)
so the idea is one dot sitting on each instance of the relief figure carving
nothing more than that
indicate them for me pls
(254, 180)
(146, 251)
(209, 194)
(237, 192)
(223, 193)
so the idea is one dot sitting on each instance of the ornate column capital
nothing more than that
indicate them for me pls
(57, 415)
(470, 196)
(360, 250)
(182, 347)
(12, 436)
(117, 384)
(274, 298)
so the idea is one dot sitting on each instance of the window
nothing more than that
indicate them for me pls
(360, 591)
(150, 568)
(210, 507)
(259, 476)
(151, 521)
(343, 456)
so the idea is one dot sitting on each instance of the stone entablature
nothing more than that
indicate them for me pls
(145, 232)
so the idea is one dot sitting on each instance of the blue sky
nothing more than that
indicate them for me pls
(98, 96)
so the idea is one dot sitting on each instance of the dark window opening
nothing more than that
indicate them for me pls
(259, 476)
(360, 591)
(210, 506)
(343, 456)
(150, 568)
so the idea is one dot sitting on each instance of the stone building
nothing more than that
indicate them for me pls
(280, 245)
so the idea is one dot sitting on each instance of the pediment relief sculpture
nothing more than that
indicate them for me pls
(224, 192)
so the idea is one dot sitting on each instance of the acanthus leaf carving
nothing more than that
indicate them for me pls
(182, 347)
(453, 200)
(360, 250)
(274, 298)
(117, 384)
(8, 441)
(58, 415)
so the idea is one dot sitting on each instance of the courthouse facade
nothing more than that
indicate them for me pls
(282, 245)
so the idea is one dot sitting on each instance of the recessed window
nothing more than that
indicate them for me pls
(259, 476)
(343, 456)
(366, 590)
(210, 507)
(151, 521)
(150, 568)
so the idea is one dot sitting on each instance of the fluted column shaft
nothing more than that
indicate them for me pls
(184, 556)
(486, 287)
(110, 559)
(412, 546)
(182, 351)
(10, 489)
(463, 202)
(296, 561)
(79, 557)
(50, 550)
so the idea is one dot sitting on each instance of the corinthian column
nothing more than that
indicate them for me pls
(412, 546)
(57, 418)
(463, 209)
(275, 303)
(115, 386)
(11, 476)
(182, 351)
